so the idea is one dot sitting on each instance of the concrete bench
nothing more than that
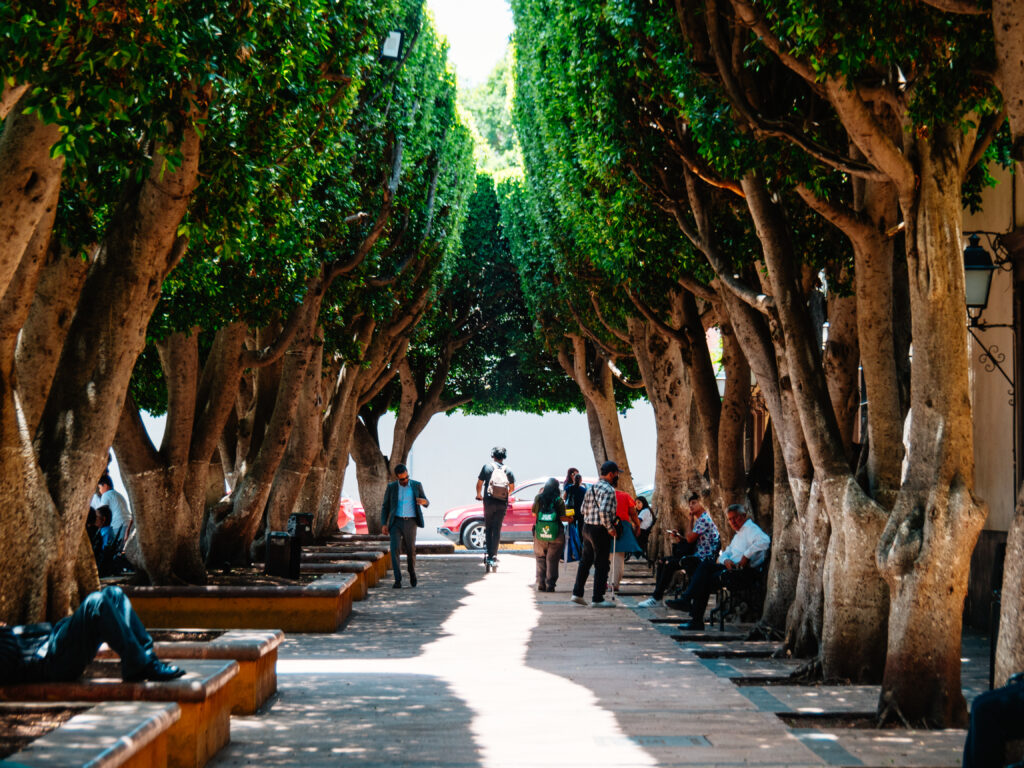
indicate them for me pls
(254, 650)
(364, 572)
(381, 560)
(109, 735)
(203, 696)
(322, 606)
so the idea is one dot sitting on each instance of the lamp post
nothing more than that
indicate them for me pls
(391, 49)
(978, 271)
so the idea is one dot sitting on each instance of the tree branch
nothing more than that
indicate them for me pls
(964, 7)
(843, 218)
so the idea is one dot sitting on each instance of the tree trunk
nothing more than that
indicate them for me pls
(229, 531)
(1010, 648)
(29, 185)
(925, 551)
(732, 474)
(304, 443)
(1009, 75)
(785, 564)
(661, 366)
(875, 290)
(46, 327)
(596, 437)
(373, 471)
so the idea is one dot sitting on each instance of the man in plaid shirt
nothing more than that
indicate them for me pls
(598, 511)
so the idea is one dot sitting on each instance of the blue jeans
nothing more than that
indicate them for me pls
(996, 718)
(103, 617)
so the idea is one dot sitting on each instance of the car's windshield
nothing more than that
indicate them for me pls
(528, 492)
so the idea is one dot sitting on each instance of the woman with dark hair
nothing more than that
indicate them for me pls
(569, 475)
(548, 534)
(645, 515)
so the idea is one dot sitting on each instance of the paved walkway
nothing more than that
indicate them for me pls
(474, 670)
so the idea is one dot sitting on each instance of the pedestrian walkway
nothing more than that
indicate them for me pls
(475, 670)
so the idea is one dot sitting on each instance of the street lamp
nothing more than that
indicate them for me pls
(392, 47)
(978, 269)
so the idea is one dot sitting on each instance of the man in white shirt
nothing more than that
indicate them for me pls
(746, 550)
(120, 515)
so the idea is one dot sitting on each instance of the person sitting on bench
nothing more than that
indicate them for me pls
(746, 550)
(41, 653)
(701, 543)
(997, 718)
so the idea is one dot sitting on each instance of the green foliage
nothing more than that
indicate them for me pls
(490, 107)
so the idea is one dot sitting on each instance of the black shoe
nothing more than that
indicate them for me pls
(156, 671)
(679, 604)
(397, 585)
(412, 580)
(692, 626)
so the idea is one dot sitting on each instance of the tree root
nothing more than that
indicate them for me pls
(809, 672)
(890, 706)
(764, 631)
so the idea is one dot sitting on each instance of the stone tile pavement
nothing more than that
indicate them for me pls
(469, 669)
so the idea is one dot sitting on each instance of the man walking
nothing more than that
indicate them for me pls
(494, 485)
(401, 516)
(598, 531)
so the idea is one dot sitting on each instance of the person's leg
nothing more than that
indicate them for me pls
(104, 616)
(667, 568)
(540, 555)
(700, 588)
(602, 561)
(395, 536)
(409, 546)
(586, 561)
(494, 516)
(554, 555)
(997, 717)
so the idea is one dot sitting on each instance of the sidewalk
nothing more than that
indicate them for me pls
(475, 670)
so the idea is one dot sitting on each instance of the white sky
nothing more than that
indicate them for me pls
(478, 32)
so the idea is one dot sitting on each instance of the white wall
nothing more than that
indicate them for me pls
(448, 456)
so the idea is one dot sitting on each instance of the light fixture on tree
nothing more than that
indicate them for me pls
(392, 47)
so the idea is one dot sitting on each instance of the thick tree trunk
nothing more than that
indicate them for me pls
(596, 436)
(598, 389)
(785, 565)
(29, 185)
(1010, 648)
(1009, 76)
(661, 367)
(46, 327)
(304, 443)
(732, 473)
(876, 297)
(373, 471)
(229, 530)
(925, 551)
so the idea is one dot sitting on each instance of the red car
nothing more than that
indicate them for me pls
(351, 517)
(465, 525)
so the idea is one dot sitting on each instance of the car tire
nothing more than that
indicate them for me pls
(474, 538)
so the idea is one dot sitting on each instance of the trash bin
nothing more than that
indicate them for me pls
(300, 526)
(282, 556)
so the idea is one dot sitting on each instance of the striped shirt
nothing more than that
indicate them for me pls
(599, 504)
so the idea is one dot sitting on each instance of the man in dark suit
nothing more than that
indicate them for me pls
(401, 516)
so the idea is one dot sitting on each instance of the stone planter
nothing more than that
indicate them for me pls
(322, 606)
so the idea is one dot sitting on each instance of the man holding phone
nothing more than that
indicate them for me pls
(401, 516)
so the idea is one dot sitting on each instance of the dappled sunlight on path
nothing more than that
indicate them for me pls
(516, 712)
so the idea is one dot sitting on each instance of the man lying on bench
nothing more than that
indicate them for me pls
(41, 653)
